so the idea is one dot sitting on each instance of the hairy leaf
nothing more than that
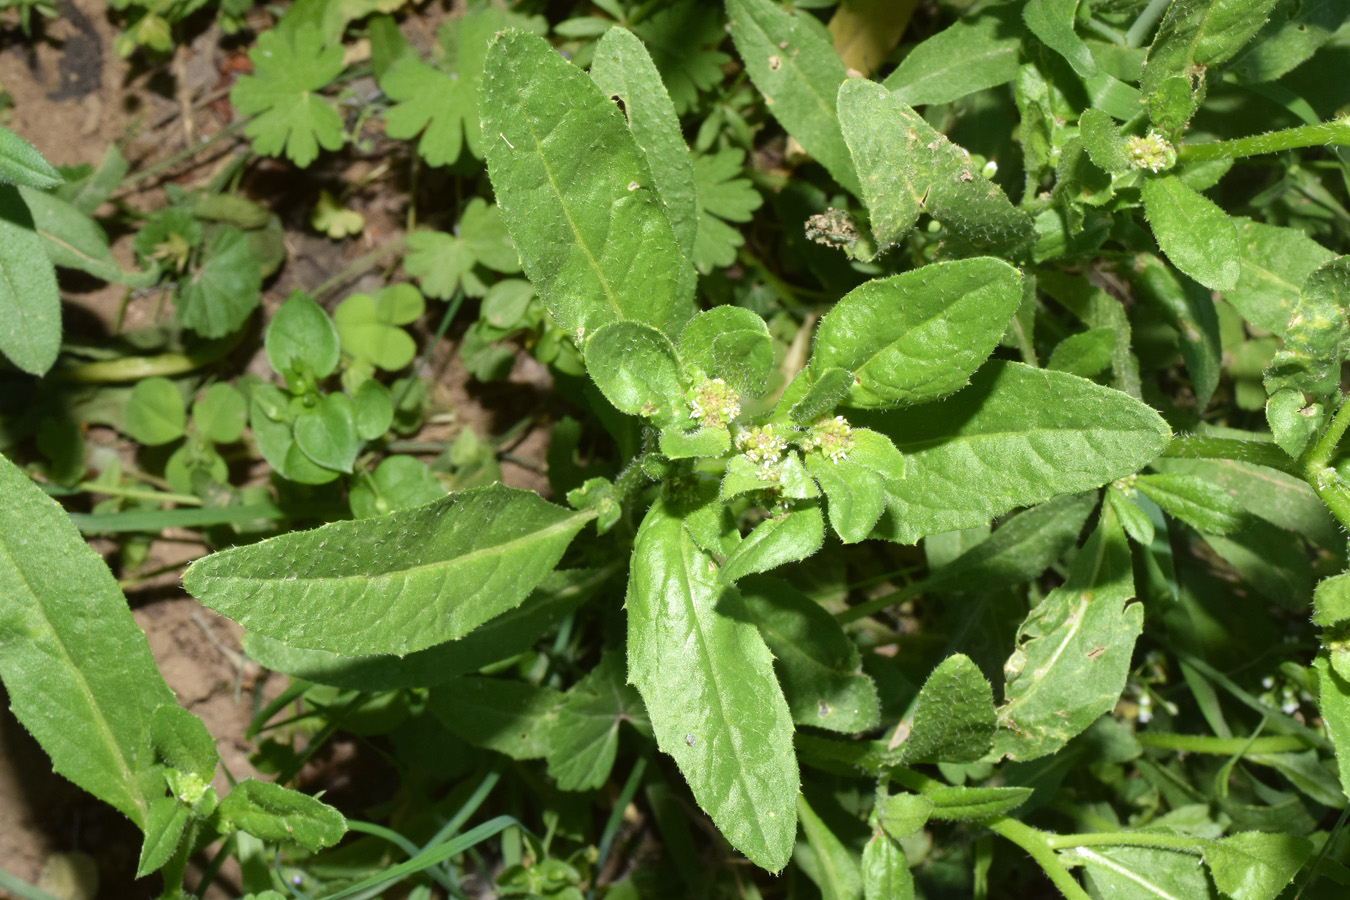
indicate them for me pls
(403, 582)
(77, 668)
(707, 679)
(975, 53)
(791, 59)
(30, 306)
(577, 194)
(1196, 235)
(918, 336)
(1016, 437)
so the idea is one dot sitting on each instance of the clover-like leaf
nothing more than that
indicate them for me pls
(368, 325)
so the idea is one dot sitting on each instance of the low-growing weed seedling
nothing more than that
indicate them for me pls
(957, 494)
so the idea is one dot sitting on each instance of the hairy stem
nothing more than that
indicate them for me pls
(1336, 131)
(1037, 845)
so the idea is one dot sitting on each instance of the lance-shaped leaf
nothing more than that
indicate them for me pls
(513, 718)
(707, 679)
(885, 870)
(395, 583)
(791, 59)
(1016, 437)
(1199, 33)
(1052, 21)
(624, 69)
(576, 193)
(1333, 701)
(1188, 308)
(513, 632)
(1141, 872)
(73, 240)
(975, 53)
(918, 336)
(30, 305)
(1196, 235)
(21, 163)
(77, 668)
(774, 542)
(827, 861)
(1073, 650)
(275, 813)
(818, 664)
(907, 167)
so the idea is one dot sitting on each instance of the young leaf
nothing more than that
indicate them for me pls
(1204, 506)
(404, 581)
(624, 69)
(885, 870)
(817, 663)
(1196, 235)
(513, 718)
(975, 53)
(368, 325)
(707, 679)
(832, 867)
(30, 305)
(1073, 650)
(581, 205)
(182, 741)
(854, 483)
(907, 167)
(275, 813)
(791, 59)
(326, 433)
(1103, 142)
(585, 738)
(220, 414)
(301, 338)
(76, 666)
(971, 804)
(223, 292)
(163, 833)
(637, 370)
(794, 535)
(918, 336)
(730, 343)
(21, 163)
(1196, 34)
(155, 412)
(1317, 340)
(954, 717)
(1016, 437)
(290, 67)
(723, 196)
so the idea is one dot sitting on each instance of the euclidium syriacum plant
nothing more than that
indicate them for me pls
(948, 550)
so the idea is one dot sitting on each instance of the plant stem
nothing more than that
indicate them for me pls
(116, 490)
(137, 368)
(1333, 490)
(1037, 845)
(1325, 448)
(166, 164)
(1336, 131)
(1198, 743)
(1141, 26)
(1256, 453)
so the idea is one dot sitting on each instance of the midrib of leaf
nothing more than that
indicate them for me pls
(738, 751)
(1124, 872)
(610, 296)
(917, 325)
(104, 730)
(1084, 598)
(584, 515)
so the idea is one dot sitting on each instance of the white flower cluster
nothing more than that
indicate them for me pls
(713, 404)
(764, 447)
(832, 437)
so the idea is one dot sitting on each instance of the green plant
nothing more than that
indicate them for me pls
(952, 458)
